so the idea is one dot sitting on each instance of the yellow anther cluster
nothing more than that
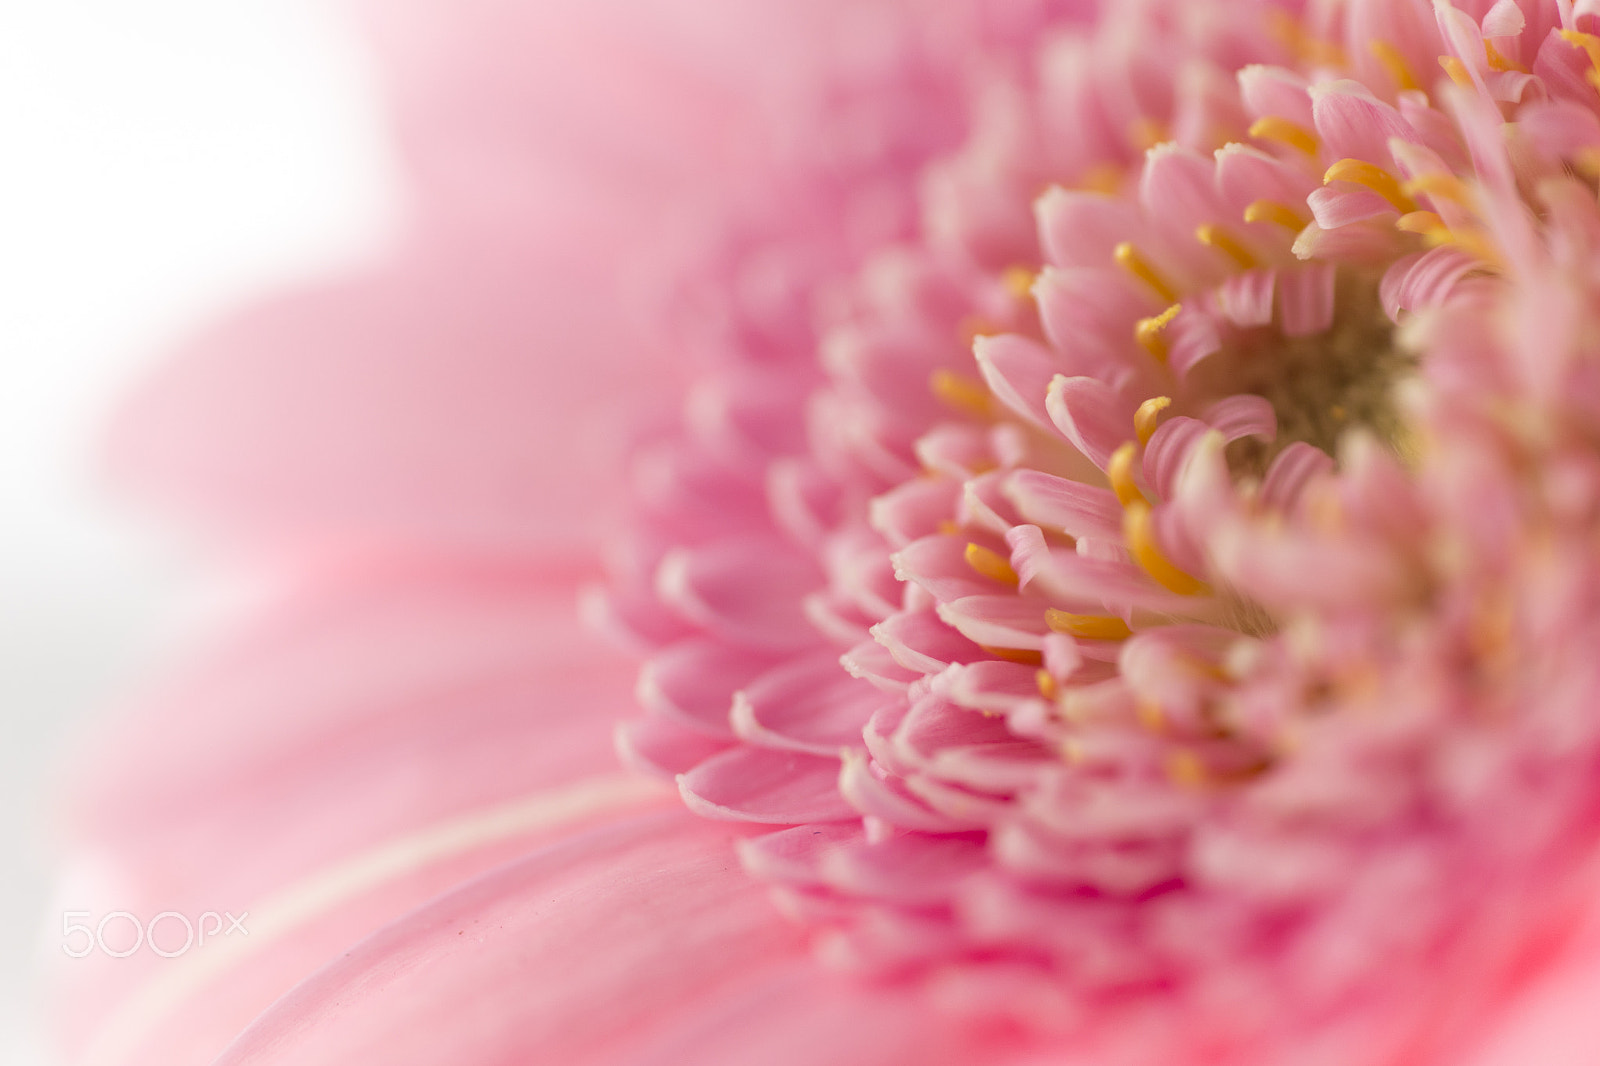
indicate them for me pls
(1374, 177)
(962, 393)
(1087, 626)
(1591, 45)
(1148, 416)
(1457, 70)
(1276, 128)
(1395, 63)
(991, 564)
(1274, 211)
(1216, 237)
(1138, 529)
(1019, 281)
(1439, 185)
(1129, 259)
(1498, 61)
(1149, 332)
(1119, 471)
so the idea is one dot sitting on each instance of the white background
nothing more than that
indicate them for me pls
(159, 161)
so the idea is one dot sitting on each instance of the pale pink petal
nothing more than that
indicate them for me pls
(809, 705)
(767, 787)
(1070, 506)
(1090, 414)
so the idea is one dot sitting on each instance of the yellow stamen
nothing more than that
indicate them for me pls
(1120, 473)
(1498, 61)
(1148, 415)
(1150, 716)
(1587, 41)
(1587, 160)
(1146, 133)
(1426, 223)
(1380, 181)
(1102, 178)
(1138, 529)
(1225, 242)
(1439, 185)
(991, 564)
(1435, 234)
(961, 392)
(1280, 129)
(1273, 211)
(1087, 626)
(1310, 48)
(1148, 332)
(1021, 656)
(1395, 63)
(1047, 684)
(1590, 44)
(1184, 768)
(949, 528)
(1129, 259)
(1457, 70)
(1019, 281)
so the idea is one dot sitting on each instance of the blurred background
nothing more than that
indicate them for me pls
(160, 160)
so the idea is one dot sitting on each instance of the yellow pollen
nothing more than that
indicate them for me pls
(1587, 160)
(1148, 415)
(1103, 178)
(1273, 211)
(1225, 242)
(1021, 656)
(1129, 259)
(1185, 768)
(1426, 223)
(1590, 44)
(1435, 234)
(1019, 282)
(1150, 716)
(1119, 471)
(1372, 176)
(1438, 185)
(1148, 332)
(1047, 684)
(1146, 133)
(1087, 626)
(991, 564)
(961, 392)
(1307, 46)
(1138, 529)
(1457, 71)
(1395, 63)
(949, 528)
(1498, 61)
(1277, 128)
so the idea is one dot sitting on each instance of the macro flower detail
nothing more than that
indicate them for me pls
(1178, 606)
(1110, 533)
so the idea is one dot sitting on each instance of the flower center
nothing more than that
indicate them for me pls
(1320, 386)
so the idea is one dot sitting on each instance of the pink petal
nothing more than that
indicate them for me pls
(693, 683)
(1018, 371)
(745, 593)
(767, 787)
(809, 705)
(1354, 124)
(1092, 415)
(1305, 298)
(1070, 506)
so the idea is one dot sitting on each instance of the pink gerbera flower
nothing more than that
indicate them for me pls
(1123, 581)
